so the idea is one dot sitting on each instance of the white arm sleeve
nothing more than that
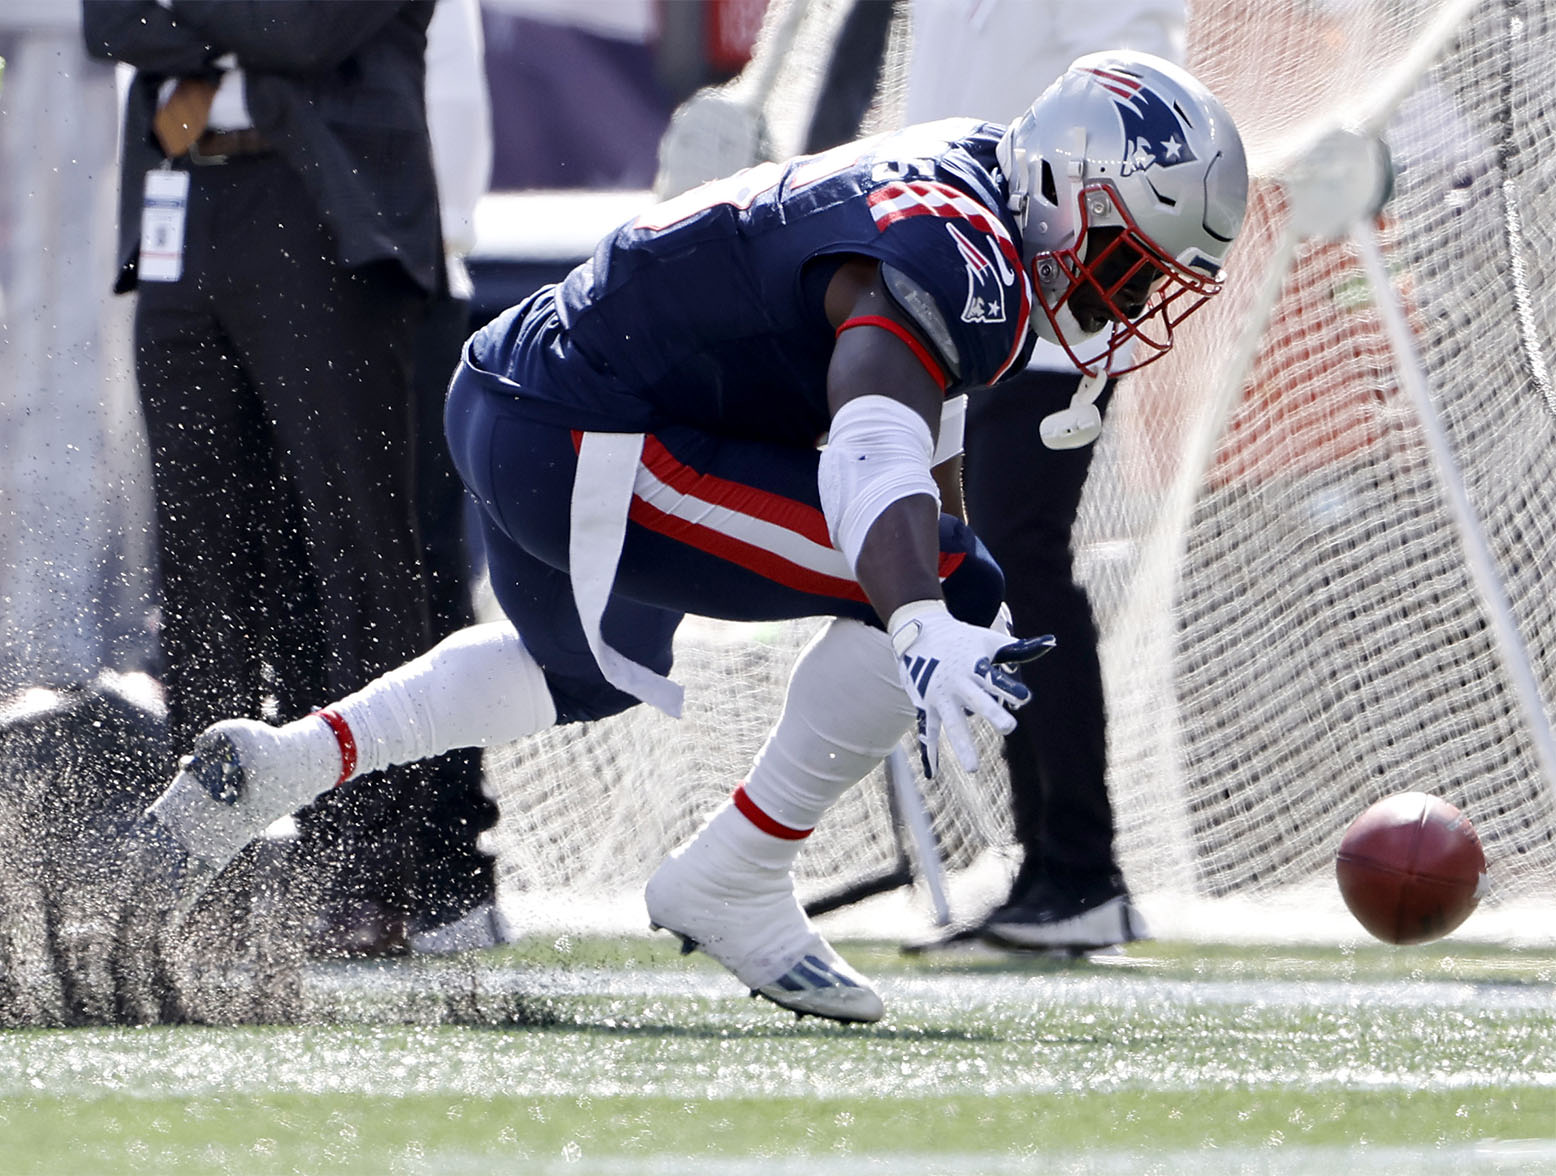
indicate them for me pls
(878, 451)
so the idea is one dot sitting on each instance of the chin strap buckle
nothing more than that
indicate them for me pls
(1080, 424)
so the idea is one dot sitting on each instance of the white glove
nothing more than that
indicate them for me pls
(950, 670)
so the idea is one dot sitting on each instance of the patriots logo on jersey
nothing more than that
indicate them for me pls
(998, 301)
(986, 281)
(1154, 131)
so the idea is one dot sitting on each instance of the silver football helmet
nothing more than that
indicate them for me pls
(1129, 182)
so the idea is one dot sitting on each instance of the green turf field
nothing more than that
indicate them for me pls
(590, 1057)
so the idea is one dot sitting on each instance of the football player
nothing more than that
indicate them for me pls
(645, 440)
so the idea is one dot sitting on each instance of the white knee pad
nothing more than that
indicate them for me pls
(845, 709)
(476, 688)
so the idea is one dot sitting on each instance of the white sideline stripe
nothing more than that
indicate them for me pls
(1491, 1156)
(964, 992)
(1306, 913)
(779, 540)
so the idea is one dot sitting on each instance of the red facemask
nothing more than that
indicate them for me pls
(1123, 285)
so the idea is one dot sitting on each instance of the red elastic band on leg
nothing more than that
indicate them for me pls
(920, 352)
(763, 822)
(347, 742)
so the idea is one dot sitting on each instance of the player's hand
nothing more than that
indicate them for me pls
(951, 670)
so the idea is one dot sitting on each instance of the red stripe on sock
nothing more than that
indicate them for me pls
(346, 740)
(762, 821)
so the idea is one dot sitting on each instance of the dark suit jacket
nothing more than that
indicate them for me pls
(336, 85)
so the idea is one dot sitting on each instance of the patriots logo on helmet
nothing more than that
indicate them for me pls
(1154, 132)
(986, 281)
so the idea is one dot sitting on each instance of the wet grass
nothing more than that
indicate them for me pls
(619, 1056)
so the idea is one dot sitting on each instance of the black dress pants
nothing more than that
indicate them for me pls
(1022, 500)
(453, 874)
(275, 385)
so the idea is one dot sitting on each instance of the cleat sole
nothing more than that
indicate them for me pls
(688, 944)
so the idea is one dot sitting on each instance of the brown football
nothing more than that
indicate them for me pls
(1411, 868)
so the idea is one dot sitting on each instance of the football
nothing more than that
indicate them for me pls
(1411, 868)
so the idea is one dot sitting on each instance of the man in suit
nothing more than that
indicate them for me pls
(457, 878)
(279, 219)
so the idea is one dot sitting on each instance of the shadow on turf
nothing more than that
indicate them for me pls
(552, 1015)
(570, 1014)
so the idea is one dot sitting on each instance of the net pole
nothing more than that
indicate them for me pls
(910, 804)
(1397, 79)
(756, 83)
(1482, 565)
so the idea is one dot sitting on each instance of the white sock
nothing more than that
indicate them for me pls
(844, 711)
(734, 845)
(310, 746)
(476, 688)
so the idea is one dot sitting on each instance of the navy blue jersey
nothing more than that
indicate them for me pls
(707, 310)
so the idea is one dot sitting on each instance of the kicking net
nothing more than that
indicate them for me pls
(1316, 548)
(1316, 587)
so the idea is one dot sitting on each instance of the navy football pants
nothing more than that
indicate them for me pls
(718, 527)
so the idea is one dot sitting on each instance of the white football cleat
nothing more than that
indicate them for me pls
(750, 921)
(241, 777)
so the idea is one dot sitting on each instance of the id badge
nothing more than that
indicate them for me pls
(162, 225)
